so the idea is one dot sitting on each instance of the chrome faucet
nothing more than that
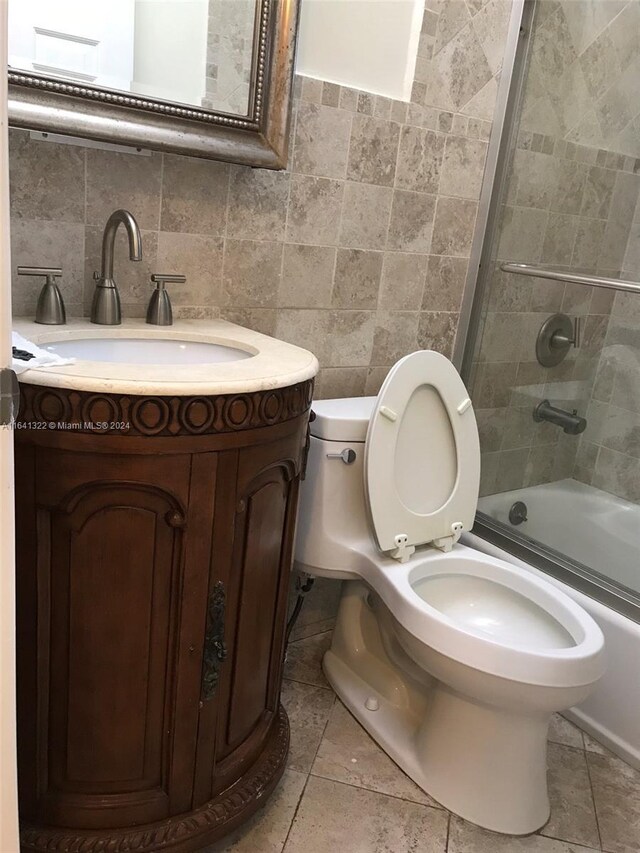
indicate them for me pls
(105, 308)
(570, 422)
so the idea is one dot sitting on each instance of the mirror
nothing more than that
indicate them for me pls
(211, 78)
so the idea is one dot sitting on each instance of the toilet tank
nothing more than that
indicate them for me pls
(333, 527)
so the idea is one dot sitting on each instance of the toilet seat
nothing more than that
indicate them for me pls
(575, 659)
(422, 456)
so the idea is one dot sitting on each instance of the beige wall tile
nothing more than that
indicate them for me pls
(419, 159)
(258, 201)
(305, 327)
(444, 283)
(375, 378)
(437, 331)
(458, 72)
(315, 208)
(45, 243)
(411, 224)
(129, 181)
(462, 167)
(350, 338)
(337, 382)
(307, 276)
(357, 279)
(453, 227)
(365, 215)
(251, 274)
(260, 319)
(396, 335)
(47, 180)
(598, 192)
(194, 195)
(559, 238)
(402, 283)
(373, 150)
(321, 144)
(521, 234)
(199, 259)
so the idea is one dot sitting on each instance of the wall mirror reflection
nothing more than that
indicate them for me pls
(208, 78)
(197, 52)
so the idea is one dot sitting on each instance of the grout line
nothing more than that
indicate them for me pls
(593, 797)
(436, 808)
(328, 688)
(296, 810)
(446, 845)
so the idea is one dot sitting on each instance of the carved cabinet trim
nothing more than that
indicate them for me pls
(124, 414)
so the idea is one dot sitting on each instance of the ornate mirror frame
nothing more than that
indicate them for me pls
(43, 103)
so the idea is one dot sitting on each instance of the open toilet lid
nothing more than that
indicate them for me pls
(422, 456)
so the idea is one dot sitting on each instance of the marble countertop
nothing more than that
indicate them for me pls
(275, 363)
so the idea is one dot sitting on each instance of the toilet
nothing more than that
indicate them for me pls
(452, 660)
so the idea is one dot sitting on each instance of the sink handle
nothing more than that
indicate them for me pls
(160, 279)
(50, 310)
(159, 312)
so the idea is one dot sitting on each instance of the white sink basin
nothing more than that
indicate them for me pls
(147, 351)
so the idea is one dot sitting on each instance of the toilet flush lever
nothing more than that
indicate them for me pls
(347, 455)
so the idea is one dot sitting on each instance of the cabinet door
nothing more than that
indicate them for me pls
(118, 571)
(261, 512)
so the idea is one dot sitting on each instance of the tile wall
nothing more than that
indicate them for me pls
(573, 206)
(583, 73)
(358, 251)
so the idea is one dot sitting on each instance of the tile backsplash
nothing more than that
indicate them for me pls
(358, 251)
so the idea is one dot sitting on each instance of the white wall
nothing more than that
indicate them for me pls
(170, 49)
(367, 44)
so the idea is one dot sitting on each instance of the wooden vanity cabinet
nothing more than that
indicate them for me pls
(153, 566)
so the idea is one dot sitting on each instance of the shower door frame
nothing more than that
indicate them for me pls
(505, 128)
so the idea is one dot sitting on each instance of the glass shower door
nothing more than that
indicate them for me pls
(556, 361)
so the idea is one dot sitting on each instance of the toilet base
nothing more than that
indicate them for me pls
(482, 763)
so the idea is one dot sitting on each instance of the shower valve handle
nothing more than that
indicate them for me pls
(560, 340)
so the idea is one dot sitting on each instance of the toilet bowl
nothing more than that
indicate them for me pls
(453, 661)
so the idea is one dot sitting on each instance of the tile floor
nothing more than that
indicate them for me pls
(342, 794)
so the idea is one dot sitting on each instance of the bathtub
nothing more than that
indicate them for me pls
(589, 525)
(603, 531)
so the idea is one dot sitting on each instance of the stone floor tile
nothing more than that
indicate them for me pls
(564, 732)
(304, 659)
(308, 708)
(337, 818)
(616, 791)
(466, 838)
(348, 754)
(267, 830)
(573, 816)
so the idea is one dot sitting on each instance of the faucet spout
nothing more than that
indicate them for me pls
(570, 422)
(105, 309)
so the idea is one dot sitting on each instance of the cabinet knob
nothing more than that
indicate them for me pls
(175, 518)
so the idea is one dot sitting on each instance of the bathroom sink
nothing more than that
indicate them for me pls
(147, 351)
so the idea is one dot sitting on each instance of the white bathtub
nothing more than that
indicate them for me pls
(591, 526)
(603, 531)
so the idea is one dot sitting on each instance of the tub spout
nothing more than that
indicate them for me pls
(571, 422)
